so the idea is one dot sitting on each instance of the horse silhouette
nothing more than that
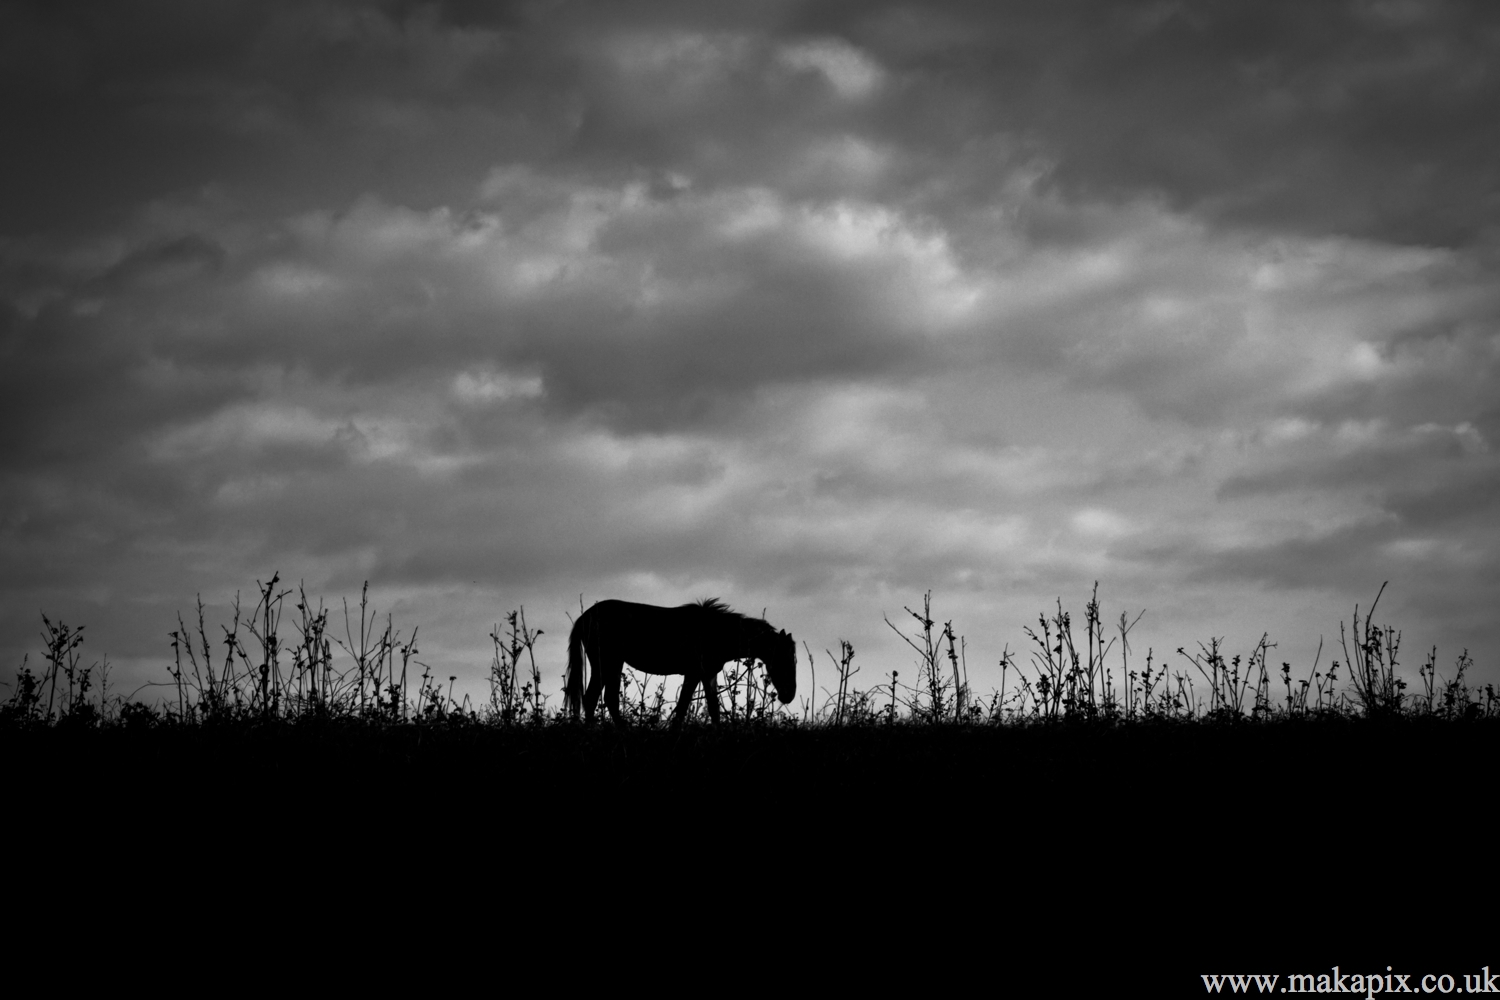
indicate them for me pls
(694, 640)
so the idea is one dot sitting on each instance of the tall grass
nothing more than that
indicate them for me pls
(281, 661)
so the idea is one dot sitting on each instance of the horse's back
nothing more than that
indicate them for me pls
(648, 637)
(631, 615)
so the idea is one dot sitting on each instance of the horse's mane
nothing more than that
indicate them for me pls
(718, 608)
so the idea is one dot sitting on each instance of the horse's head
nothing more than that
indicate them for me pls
(780, 657)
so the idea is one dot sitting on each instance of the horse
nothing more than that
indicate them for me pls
(694, 640)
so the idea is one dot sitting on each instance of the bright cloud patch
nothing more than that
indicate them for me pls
(482, 387)
(850, 72)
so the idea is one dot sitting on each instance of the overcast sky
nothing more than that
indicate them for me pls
(809, 306)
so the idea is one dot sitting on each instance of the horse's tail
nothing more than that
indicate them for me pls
(573, 680)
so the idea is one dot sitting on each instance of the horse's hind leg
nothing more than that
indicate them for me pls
(602, 669)
(684, 700)
(711, 695)
(612, 696)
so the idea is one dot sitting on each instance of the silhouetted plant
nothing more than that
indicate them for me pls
(510, 697)
(932, 680)
(1372, 665)
(65, 683)
(24, 706)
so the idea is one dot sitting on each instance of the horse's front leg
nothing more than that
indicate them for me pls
(684, 700)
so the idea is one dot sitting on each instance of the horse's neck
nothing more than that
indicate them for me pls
(726, 641)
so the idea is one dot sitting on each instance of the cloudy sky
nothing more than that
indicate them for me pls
(811, 306)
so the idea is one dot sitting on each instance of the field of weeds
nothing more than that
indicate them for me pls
(290, 699)
(284, 662)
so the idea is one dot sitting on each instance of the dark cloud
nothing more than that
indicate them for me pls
(164, 265)
(1354, 118)
(1349, 118)
(1374, 458)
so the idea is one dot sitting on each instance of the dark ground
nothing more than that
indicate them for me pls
(1168, 849)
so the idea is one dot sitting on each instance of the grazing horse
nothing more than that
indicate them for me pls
(694, 640)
